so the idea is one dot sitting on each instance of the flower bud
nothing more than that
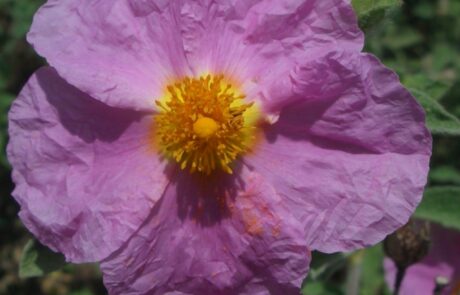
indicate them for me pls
(409, 244)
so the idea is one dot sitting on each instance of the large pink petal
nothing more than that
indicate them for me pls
(443, 260)
(124, 52)
(84, 173)
(349, 154)
(259, 42)
(109, 50)
(210, 236)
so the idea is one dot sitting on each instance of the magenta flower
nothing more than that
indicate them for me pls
(205, 147)
(442, 262)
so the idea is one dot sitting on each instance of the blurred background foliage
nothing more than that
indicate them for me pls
(419, 39)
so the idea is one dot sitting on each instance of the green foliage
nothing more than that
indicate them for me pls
(321, 288)
(326, 273)
(22, 13)
(323, 266)
(326, 270)
(439, 120)
(445, 175)
(362, 7)
(371, 12)
(373, 279)
(406, 38)
(38, 260)
(434, 89)
(441, 205)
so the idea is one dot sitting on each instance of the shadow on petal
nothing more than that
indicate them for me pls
(84, 116)
(205, 199)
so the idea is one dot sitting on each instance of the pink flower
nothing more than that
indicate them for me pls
(289, 137)
(442, 262)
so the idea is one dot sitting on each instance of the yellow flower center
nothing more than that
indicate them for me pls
(205, 127)
(204, 124)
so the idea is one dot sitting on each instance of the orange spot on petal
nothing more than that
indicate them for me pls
(252, 223)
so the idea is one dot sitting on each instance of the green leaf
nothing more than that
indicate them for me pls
(441, 205)
(364, 6)
(22, 13)
(444, 56)
(322, 268)
(439, 120)
(445, 175)
(433, 88)
(406, 38)
(373, 277)
(323, 265)
(37, 260)
(372, 12)
(320, 288)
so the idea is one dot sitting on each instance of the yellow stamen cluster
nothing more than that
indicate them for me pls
(202, 124)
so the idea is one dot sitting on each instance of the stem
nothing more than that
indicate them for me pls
(399, 278)
(355, 267)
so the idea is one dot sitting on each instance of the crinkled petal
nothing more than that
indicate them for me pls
(258, 42)
(108, 50)
(124, 52)
(85, 176)
(349, 153)
(443, 260)
(228, 35)
(211, 236)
